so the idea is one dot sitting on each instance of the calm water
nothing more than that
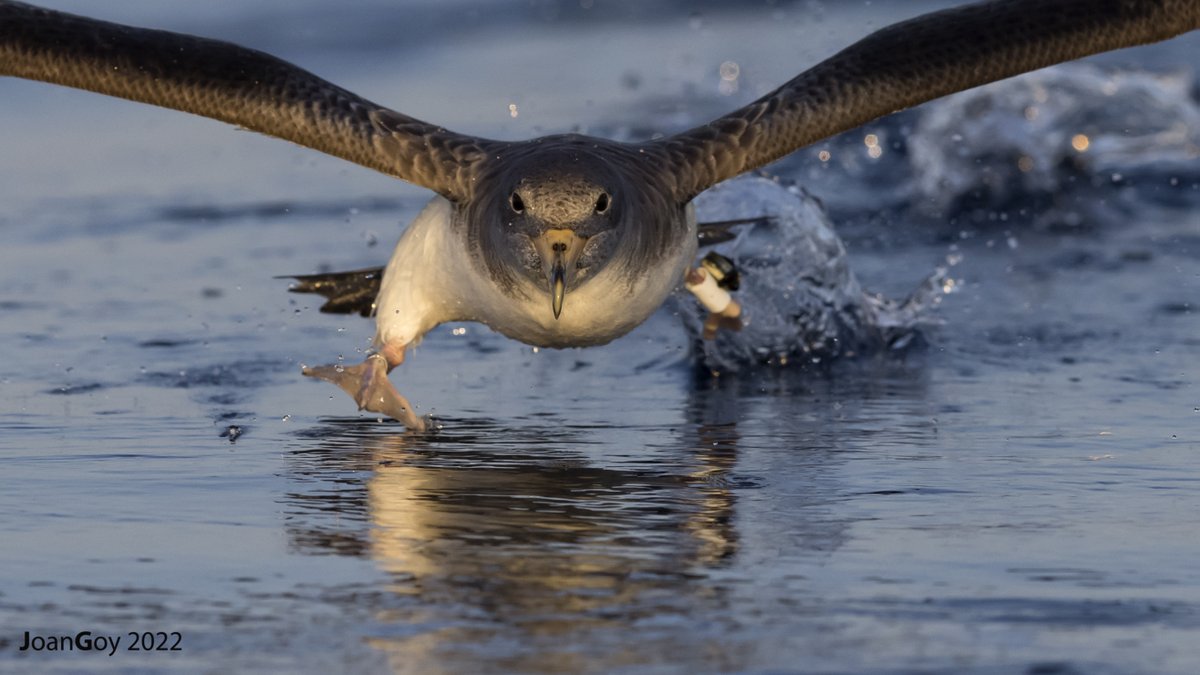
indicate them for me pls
(1018, 494)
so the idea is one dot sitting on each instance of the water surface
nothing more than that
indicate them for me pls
(1015, 493)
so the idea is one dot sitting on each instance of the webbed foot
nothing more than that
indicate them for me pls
(368, 384)
(715, 322)
(724, 313)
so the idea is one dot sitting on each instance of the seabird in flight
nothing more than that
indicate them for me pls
(566, 240)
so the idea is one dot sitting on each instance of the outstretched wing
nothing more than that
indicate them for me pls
(236, 85)
(910, 63)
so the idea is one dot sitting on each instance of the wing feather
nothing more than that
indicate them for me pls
(909, 63)
(233, 84)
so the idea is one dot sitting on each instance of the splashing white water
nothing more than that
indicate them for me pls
(801, 302)
(1049, 131)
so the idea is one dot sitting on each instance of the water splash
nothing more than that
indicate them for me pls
(1042, 137)
(801, 302)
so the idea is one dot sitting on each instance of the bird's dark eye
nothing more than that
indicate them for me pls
(517, 203)
(602, 202)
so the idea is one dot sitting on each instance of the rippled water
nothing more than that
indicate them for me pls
(1016, 491)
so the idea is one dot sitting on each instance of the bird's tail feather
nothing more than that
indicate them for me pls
(345, 292)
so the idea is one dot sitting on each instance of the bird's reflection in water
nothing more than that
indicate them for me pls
(539, 545)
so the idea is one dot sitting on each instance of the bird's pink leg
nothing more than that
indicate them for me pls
(369, 386)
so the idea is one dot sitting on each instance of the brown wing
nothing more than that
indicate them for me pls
(236, 85)
(910, 63)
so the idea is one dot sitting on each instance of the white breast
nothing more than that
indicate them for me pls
(419, 288)
(431, 279)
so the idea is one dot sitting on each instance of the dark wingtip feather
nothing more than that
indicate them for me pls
(719, 231)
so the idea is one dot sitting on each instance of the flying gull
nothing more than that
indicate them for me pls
(566, 240)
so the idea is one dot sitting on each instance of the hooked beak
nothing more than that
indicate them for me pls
(559, 250)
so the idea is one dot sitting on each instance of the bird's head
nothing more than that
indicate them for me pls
(559, 214)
